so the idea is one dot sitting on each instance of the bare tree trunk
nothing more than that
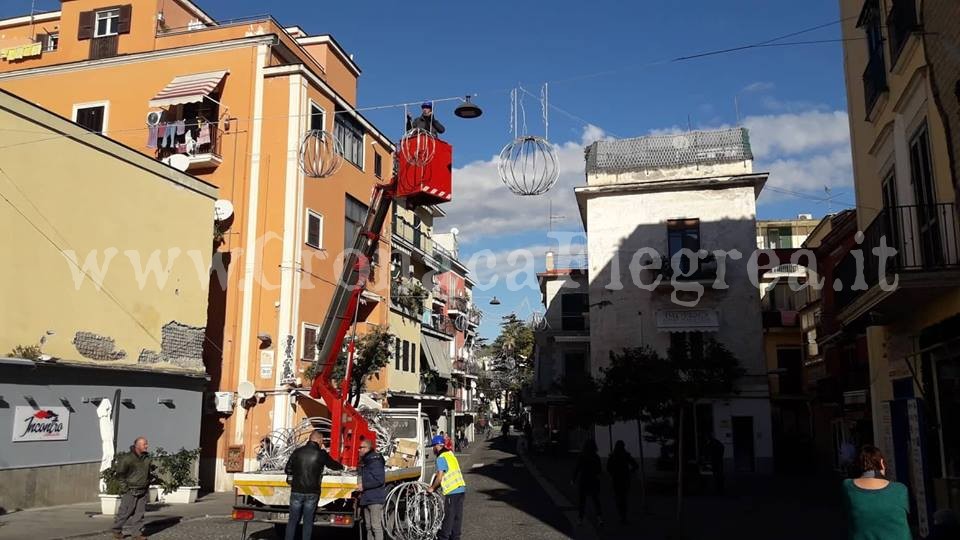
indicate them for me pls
(680, 465)
(643, 473)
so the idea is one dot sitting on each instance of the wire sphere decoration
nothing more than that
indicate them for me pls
(412, 513)
(321, 155)
(418, 147)
(529, 166)
(538, 322)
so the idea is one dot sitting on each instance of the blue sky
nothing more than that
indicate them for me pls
(792, 98)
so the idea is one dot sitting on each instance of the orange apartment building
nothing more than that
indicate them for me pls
(246, 92)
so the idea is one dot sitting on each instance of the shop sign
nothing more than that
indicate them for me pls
(40, 424)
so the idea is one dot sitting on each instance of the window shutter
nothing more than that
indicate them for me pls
(86, 25)
(123, 25)
(42, 40)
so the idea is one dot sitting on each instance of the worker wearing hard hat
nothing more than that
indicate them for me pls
(449, 479)
(426, 121)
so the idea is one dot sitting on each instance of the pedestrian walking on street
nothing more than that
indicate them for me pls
(134, 469)
(876, 507)
(621, 467)
(716, 462)
(449, 479)
(373, 491)
(586, 475)
(305, 474)
(447, 441)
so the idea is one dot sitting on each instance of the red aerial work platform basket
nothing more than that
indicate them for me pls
(425, 170)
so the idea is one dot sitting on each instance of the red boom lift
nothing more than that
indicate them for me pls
(425, 181)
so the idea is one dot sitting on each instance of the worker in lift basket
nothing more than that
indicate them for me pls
(449, 479)
(426, 121)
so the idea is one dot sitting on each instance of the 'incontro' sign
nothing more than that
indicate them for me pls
(41, 424)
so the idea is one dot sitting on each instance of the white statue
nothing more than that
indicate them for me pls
(105, 414)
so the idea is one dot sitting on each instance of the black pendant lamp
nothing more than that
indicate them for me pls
(467, 109)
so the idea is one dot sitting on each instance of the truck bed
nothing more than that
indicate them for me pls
(271, 488)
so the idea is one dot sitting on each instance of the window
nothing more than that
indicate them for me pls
(413, 357)
(106, 23)
(314, 229)
(396, 353)
(406, 355)
(309, 342)
(349, 136)
(683, 234)
(573, 308)
(377, 165)
(316, 117)
(51, 41)
(927, 218)
(93, 117)
(788, 364)
(779, 237)
(688, 344)
(574, 365)
(355, 214)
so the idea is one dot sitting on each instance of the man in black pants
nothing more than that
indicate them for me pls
(449, 479)
(305, 474)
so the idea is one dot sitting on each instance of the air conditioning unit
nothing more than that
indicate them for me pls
(153, 118)
(805, 216)
(224, 402)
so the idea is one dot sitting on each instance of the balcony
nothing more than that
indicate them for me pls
(927, 243)
(901, 22)
(706, 270)
(440, 326)
(202, 156)
(874, 80)
(104, 47)
(417, 238)
(458, 305)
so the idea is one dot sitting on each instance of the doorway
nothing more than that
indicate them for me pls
(743, 447)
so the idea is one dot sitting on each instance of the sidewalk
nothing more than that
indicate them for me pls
(84, 519)
(785, 508)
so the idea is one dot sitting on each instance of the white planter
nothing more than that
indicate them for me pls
(154, 494)
(184, 495)
(109, 504)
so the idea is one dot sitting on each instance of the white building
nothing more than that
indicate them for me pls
(665, 193)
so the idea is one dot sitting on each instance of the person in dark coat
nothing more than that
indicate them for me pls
(586, 475)
(716, 462)
(373, 491)
(305, 473)
(621, 467)
(135, 472)
(426, 121)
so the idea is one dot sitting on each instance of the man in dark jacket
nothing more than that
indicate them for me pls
(426, 120)
(134, 472)
(305, 473)
(373, 493)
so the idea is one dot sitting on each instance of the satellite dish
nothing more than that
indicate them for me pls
(246, 390)
(179, 162)
(222, 210)
(153, 118)
(454, 231)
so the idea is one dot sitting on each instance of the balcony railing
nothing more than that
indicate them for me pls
(206, 155)
(414, 235)
(706, 269)
(104, 47)
(926, 239)
(874, 79)
(901, 22)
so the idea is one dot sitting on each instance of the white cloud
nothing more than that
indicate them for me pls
(793, 133)
(759, 86)
(482, 207)
(486, 264)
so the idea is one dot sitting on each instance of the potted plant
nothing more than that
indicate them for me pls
(110, 498)
(176, 474)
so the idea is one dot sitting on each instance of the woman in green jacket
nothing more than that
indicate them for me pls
(876, 507)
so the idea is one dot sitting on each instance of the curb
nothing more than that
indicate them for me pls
(581, 532)
(147, 525)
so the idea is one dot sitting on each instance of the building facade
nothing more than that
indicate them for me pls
(909, 303)
(230, 103)
(90, 313)
(645, 201)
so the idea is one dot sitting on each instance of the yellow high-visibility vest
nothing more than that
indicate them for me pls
(452, 477)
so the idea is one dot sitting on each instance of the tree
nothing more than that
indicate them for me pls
(512, 353)
(655, 391)
(373, 352)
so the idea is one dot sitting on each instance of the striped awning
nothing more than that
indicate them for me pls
(188, 89)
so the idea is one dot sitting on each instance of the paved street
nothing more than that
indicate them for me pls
(503, 500)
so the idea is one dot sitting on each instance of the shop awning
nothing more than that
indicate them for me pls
(437, 355)
(188, 89)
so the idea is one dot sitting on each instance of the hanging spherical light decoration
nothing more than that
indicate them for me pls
(418, 147)
(320, 154)
(538, 322)
(529, 165)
